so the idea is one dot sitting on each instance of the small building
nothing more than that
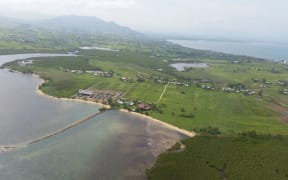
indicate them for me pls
(123, 79)
(25, 62)
(120, 101)
(82, 92)
(251, 93)
(145, 107)
(76, 71)
(285, 91)
(108, 74)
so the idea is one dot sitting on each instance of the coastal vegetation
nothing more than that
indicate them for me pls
(212, 157)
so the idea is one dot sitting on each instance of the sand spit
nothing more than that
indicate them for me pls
(74, 124)
(9, 148)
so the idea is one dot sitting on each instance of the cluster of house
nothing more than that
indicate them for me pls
(139, 105)
(95, 73)
(285, 62)
(284, 91)
(122, 101)
(139, 78)
(263, 81)
(99, 95)
(282, 82)
(232, 88)
(264, 84)
(101, 73)
(156, 79)
(179, 83)
(242, 91)
(126, 79)
(206, 86)
(160, 80)
(75, 71)
(227, 89)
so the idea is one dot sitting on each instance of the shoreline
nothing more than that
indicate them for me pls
(164, 124)
(41, 93)
(167, 125)
(9, 148)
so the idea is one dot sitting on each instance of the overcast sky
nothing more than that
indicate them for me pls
(228, 18)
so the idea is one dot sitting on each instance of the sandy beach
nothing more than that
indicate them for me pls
(182, 131)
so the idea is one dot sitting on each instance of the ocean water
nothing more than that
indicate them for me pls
(265, 50)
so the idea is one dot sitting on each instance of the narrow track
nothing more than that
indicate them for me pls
(163, 92)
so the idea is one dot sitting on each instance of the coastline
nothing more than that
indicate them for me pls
(169, 126)
(164, 124)
(41, 93)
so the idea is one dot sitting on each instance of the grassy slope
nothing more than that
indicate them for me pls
(240, 158)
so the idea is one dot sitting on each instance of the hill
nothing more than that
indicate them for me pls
(86, 24)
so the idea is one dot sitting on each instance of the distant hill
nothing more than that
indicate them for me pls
(8, 22)
(86, 24)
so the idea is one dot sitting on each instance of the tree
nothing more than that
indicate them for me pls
(110, 101)
(182, 110)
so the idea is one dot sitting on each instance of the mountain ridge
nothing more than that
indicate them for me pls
(86, 24)
(74, 24)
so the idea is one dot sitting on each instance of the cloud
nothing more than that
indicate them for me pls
(35, 9)
(50, 6)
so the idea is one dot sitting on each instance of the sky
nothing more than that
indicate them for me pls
(258, 19)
